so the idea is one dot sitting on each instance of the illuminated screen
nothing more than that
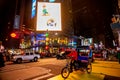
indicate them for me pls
(86, 41)
(48, 16)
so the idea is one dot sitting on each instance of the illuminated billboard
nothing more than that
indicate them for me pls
(17, 22)
(33, 8)
(86, 41)
(48, 16)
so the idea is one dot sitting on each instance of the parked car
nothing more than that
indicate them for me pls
(45, 54)
(97, 54)
(29, 56)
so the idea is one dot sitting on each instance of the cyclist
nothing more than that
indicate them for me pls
(74, 57)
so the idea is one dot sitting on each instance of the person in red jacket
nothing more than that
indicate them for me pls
(74, 57)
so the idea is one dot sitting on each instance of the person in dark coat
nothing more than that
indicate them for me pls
(2, 62)
(118, 56)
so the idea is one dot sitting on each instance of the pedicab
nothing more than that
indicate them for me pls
(76, 62)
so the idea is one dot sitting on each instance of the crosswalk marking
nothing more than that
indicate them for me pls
(44, 76)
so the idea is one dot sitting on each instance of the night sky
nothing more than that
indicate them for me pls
(7, 8)
(7, 12)
(92, 13)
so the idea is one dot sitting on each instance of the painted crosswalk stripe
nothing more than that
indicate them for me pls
(44, 76)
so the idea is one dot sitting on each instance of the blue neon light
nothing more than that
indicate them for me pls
(51, 0)
(33, 8)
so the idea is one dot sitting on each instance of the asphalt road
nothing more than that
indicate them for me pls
(50, 68)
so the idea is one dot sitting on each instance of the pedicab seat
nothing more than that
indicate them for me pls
(83, 59)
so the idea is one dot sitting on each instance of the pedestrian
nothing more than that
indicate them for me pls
(104, 52)
(90, 54)
(118, 53)
(7, 55)
(2, 61)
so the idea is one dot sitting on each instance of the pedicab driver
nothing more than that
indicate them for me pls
(74, 57)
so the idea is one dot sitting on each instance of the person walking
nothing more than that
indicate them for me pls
(2, 62)
(104, 52)
(90, 55)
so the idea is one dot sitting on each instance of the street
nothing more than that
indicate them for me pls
(50, 68)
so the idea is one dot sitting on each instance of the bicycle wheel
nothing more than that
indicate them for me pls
(89, 68)
(65, 72)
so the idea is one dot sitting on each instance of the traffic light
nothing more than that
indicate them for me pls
(47, 40)
(46, 35)
(46, 47)
(14, 35)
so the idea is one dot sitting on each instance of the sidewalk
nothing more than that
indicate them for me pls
(78, 75)
(101, 59)
(21, 72)
(110, 69)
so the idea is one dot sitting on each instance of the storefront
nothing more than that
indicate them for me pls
(52, 44)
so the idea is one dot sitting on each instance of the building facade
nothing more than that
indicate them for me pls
(93, 18)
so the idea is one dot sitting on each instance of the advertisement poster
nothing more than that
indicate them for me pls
(48, 16)
(17, 22)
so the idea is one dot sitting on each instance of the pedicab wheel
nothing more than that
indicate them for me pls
(89, 68)
(65, 72)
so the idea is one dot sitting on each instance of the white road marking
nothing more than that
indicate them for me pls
(44, 76)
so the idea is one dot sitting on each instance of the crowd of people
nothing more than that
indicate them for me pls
(109, 54)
